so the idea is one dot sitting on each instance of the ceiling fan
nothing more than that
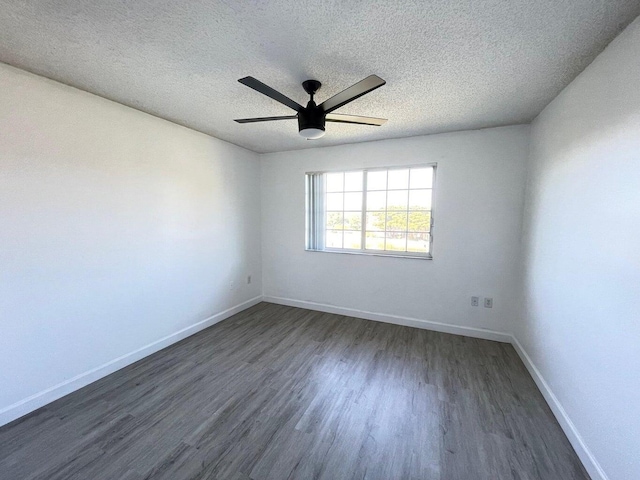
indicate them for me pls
(312, 118)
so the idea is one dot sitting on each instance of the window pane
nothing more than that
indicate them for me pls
(353, 181)
(397, 200)
(377, 180)
(376, 221)
(398, 179)
(353, 240)
(376, 200)
(419, 221)
(334, 201)
(335, 182)
(421, 177)
(353, 201)
(352, 220)
(418, 242)
(395, 214)
(375, 241)
(420, 199)
(396, 242)
(396, 221)
(333, 239)
(334, 220)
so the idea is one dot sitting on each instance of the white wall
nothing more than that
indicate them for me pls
(479, 198)
(117, 229)
(582, 256)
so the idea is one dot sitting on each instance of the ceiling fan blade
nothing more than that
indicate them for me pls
(265, 119)
(258, 86)
(340, 118)
(354, 91)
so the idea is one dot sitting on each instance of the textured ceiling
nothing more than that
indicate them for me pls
(449, 65)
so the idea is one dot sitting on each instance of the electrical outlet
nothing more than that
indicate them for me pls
(488, 302)
(475, 301)
(249, 280)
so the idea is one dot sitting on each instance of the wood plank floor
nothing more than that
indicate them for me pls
(281, 393)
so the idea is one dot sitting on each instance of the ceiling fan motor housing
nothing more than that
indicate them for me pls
(311, 117)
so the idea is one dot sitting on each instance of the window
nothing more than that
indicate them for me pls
(380, 211)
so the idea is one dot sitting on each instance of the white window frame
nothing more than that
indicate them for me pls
(315, 213)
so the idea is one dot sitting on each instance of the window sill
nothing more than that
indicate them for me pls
(374, 254)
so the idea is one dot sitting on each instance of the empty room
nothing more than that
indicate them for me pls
(268, 240)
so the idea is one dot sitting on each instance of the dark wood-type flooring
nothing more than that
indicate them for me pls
(276, 392)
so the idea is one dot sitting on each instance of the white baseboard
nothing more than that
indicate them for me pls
(29, 404)
(397, 320)
(588, 460)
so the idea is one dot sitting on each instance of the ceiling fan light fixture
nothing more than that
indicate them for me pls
(312, 133)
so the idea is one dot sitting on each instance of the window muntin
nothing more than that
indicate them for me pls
(382, 211)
